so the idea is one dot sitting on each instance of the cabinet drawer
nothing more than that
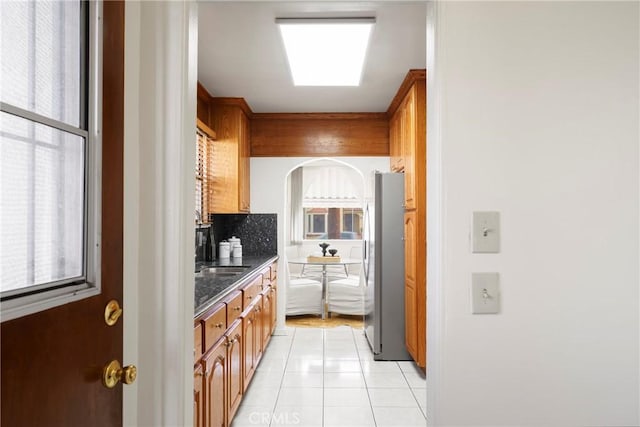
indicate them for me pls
(274, 271)
(266, 277)
(215, 324)
(197, 343)
(234, 307)
(251, 291)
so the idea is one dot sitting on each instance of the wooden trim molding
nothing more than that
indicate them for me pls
(203, 92)
(319, 134)
(206, 129)
(237, 102)
(203, 101)
(411, 77)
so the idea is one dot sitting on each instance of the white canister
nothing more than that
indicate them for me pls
(224, 249)
(234, 241)
(236, 252)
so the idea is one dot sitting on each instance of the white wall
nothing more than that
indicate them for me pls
(268, 194)
(537, 118)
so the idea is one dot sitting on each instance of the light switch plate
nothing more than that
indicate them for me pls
(485, 293)
(486, 232)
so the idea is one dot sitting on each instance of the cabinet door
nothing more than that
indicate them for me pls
(234, 368)
(215, 362)
(244, 164)
(249, 347)
(410, 294)
(258, 347)
(395, 143)
(198, 396)
(225, 121)
(267, 307)
(274, 307)
(409, 148)
(197, 342)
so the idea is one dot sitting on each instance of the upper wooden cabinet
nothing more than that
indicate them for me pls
(407, 135)
(230, 166)
(396, 151)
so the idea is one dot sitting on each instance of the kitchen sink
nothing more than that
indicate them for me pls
(222, 271)
(227, 270)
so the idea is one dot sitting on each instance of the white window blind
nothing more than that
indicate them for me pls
(204, 175)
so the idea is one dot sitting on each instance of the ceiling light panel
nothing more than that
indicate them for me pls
(326, 52)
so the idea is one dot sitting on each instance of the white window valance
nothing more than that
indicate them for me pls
(331, 186)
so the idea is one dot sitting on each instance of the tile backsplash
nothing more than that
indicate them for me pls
(258, 232)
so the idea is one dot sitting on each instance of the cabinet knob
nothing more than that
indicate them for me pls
(218, 325)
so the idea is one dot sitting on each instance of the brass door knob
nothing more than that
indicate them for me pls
(113, 373)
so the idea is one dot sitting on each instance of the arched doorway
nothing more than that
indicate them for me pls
(324, 202)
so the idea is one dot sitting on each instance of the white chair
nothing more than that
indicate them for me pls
(346, 296)
(304, 294)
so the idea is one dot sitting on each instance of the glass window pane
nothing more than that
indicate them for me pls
(318, 223)
(41, 58)
(42, 198)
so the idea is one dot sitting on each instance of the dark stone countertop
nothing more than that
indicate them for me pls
(210, 289)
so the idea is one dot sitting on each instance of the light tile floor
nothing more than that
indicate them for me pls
(327, 377)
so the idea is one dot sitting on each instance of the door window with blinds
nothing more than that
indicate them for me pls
(49, 154)
(204, 156)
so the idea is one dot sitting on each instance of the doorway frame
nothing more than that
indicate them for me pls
(168, 404)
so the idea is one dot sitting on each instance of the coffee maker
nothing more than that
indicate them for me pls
(205, 243)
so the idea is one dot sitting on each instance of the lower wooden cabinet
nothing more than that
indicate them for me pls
(235, 342)
(198, 395)
(267, 310)
(215, 384)
(274, 307)
(225, 370)
(252, 333)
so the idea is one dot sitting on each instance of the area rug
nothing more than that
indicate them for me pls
(311, 321)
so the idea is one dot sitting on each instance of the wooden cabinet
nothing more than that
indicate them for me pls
(198, 395)
(407, 138)
(215, 385)
(234, 306)
(404, 137)
(231, 153)
(396, 151)
(232, 341)
(268, 305)
(248, 334)
(215, 325)
(197, 342)
(234, 369)
(274, 306)
(410, 297)
(252, 320)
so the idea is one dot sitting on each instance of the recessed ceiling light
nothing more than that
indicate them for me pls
(326, 52)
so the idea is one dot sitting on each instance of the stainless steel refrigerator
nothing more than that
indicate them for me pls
(384, 268)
